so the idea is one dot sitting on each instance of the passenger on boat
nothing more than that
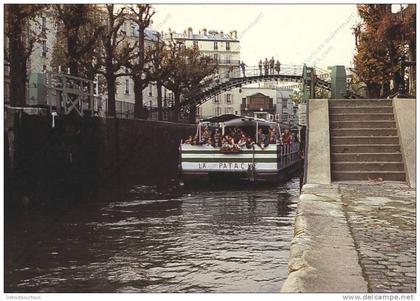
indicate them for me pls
(242, 141)
(249, 142)
(189, 140)
(206, 134)
(237, 133)
(224, 142)
(286, 137)
(272, 137)
(262, 138)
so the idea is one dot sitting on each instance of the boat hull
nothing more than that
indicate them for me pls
(269, 163)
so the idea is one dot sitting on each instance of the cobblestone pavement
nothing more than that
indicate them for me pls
(382, 219)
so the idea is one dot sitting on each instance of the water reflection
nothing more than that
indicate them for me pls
(206, 240)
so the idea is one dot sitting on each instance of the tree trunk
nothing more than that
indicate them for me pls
(373, 90)
(192, 114)
(72, 52)
(159, 99)
(386, 88)
(138, 98)
(394, 57)
(110, 81)
(18, 75)
(412, 69)
(177, 107)
(18, 69)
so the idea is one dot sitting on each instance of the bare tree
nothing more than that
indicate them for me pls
(21, 41)
(116, 52)
(141, 15)
(80, 32)
(187, 69)
(160, 70)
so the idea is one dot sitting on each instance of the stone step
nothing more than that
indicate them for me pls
(360, 102)
(361, 116)
(366, 148)
(337, 140)
(367, 176)
(366, 157)
(363, 132)
(367, 166)
(363, 124)
(360, 109)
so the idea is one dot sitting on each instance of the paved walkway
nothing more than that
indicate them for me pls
(354, 237)
(382, 220)
(322, 253)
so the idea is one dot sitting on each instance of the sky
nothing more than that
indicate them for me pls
(318, 35)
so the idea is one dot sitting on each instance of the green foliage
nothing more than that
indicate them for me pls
(382, 41)
(77, 45)
(297, 95)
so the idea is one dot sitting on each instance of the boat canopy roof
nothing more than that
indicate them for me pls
(221, 118)
(248, 121)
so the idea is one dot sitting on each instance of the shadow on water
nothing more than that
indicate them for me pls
(214, 237)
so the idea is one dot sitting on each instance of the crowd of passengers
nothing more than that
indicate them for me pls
(237, 137)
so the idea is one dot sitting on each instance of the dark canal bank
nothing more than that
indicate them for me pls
(189, 239)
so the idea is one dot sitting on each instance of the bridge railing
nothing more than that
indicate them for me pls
(289, 154)
(251, 72)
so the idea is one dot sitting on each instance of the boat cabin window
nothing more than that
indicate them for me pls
(236, 133)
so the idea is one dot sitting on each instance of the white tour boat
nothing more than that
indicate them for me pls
(252, 162)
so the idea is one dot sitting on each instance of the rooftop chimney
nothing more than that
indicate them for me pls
(204, 31)
(234, 34)
(190, 32)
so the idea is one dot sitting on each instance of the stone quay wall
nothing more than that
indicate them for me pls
(79, 157)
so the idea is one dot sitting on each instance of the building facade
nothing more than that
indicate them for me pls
(282, 109)
(223, 48)
(258, 105)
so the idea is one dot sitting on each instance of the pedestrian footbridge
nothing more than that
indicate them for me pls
(236, 78)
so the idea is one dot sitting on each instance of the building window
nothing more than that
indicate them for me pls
(228, 98)
(133, 31)
(215, 57)
(216, 99)
(217, 111)
(228, 110)
(215, 45)
(44, 48)
(195, 44)
(227, 45)
(44, 24)
(150, 89)
(127, 86)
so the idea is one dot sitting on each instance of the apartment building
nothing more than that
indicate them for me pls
(225, 49)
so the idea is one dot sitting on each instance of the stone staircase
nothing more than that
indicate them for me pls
(364, 141)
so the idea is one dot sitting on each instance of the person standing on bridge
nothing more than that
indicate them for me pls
(260, 65)
(272, 65)
(266, 67)
(278, 67)
(242, 66)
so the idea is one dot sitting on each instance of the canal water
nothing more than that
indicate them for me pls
(206, 239)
